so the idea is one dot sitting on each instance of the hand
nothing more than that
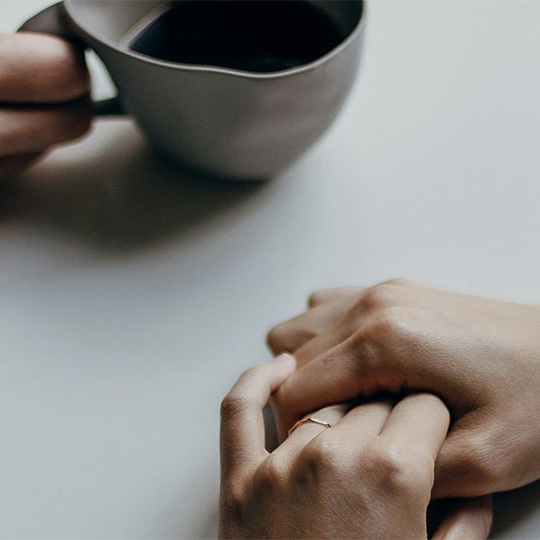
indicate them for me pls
(43, 97)
(368, 476)
(481, 356)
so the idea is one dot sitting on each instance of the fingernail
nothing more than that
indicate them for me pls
(284, 365)
(283, 357)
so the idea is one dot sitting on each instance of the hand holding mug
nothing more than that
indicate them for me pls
(231, 119)
(43, 97)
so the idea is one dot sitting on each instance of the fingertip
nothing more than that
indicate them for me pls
(41, 68)
(282, 366)
(277, 339)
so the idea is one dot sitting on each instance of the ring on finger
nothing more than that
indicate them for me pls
(309, 420)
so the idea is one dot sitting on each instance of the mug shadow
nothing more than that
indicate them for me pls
(122, 199)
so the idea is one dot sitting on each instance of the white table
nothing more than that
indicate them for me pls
(132, 297)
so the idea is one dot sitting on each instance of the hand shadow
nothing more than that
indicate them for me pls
(516, 512)
(124, 197)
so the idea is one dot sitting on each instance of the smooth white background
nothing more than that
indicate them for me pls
(132, 295)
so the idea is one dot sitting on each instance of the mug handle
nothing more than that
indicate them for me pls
(54, 20)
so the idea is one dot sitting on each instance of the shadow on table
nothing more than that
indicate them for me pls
(198, 503)
(208, 529)
(123, 198)
(514, 510)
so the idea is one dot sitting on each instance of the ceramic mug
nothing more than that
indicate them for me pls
(227, 122)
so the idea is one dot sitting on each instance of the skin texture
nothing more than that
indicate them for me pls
(44, 86)
(481, 356)
(368, 476)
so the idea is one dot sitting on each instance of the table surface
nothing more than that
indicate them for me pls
(133, 295)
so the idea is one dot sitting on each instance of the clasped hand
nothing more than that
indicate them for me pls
(369, 476)
(481, 356)
(372, 474)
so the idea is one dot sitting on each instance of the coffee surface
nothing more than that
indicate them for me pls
(250, 35)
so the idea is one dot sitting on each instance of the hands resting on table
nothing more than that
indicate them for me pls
(44, 100)
(448, 359)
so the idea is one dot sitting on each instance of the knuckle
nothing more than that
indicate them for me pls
(400, 475)
(272, 475)
(279, 338)
(334, 294)
(232, 504)
(389, 463)
(234, 404)
(399, 282)
(388, 325)
(322, 455)
(316, 298)
(242, 398)
(477, 459)
(381, 296)
(276, 337)
(231, 495)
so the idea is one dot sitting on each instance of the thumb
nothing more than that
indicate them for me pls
(468, 518)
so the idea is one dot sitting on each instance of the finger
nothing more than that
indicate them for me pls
(359, 425)
(293, 334)
(242, 422)
(38, 68)
(305, 432)
(352, 317)
(34, 129)
(12, 165)
(464, 459)
(339, 293)
(334, 377)
(417, 427)
(326, 296)
(356, 356)
(366, 304)
(364, 421)
(336, 334)
(469, 518)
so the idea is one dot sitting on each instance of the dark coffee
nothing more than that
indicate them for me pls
(251, 35)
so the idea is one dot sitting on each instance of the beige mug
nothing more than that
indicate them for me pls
(229, 122)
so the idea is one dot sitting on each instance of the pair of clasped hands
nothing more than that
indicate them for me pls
(429, 394)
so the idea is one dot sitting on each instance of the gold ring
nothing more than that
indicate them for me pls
(309, 421)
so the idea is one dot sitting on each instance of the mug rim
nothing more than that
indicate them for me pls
(202, 68)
